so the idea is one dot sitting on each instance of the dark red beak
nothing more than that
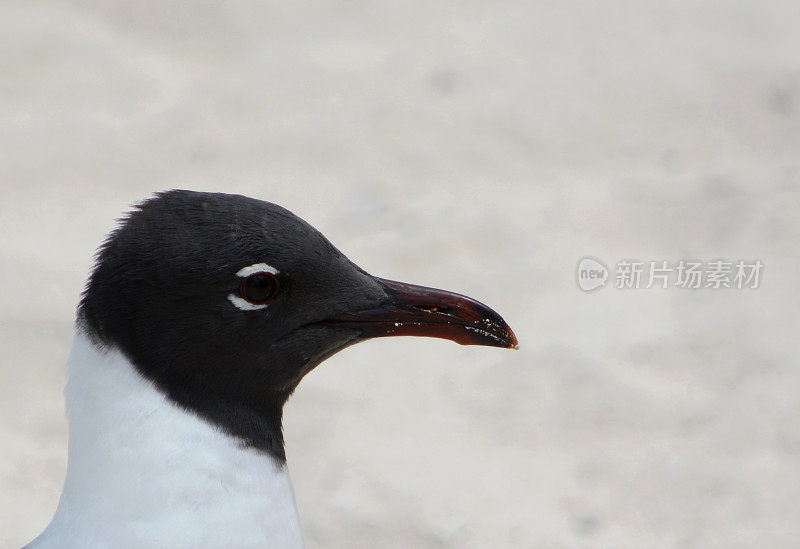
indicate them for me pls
(412, 310)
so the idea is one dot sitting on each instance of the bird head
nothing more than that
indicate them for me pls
(225, 302)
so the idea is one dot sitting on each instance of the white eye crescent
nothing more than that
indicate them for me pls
(245, 305)
(256, 268)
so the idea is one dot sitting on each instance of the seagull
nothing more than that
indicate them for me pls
(200, 317)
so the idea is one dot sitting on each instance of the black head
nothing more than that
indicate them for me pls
(226, 302)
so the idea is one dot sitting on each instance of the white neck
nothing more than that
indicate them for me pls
(143, 472)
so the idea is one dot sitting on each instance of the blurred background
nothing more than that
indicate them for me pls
(482, 147)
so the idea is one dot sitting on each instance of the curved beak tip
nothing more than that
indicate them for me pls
(500, 333)
(513, 343)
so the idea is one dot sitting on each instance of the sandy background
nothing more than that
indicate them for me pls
(482, 147)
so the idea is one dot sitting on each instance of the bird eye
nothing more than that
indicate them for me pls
(259, 288)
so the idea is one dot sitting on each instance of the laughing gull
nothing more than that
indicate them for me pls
(202, 314)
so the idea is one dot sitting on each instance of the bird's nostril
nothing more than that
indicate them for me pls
(435, 309)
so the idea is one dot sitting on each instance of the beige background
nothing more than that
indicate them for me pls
(482, 147)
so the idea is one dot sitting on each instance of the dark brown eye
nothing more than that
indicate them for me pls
(259, 288)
